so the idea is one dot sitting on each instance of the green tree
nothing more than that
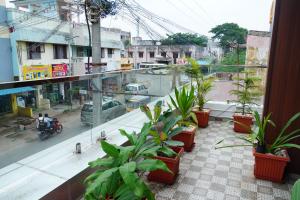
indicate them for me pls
(185, 39)
(228, 34)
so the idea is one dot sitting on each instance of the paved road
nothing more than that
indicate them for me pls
(32, 144)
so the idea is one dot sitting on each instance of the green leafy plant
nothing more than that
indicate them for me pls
(283, 140)
(248, 93)
(296, 191)
(118, 175)
(257, 135)
(183, 103)
(203, 84)
(163, 128)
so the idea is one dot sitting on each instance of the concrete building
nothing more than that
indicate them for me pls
(41, 46)
(258, 47)
(149, 51)
(38, 40)
(6, 71)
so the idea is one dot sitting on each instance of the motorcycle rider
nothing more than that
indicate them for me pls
(48, 120)
(39, 120)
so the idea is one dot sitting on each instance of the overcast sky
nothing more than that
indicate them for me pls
(202, 15)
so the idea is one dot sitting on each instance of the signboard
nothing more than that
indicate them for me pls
(35, 72)
(59, 70)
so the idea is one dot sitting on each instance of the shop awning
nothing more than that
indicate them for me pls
(16, 90)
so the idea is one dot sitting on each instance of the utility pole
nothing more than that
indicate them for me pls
(96, 56)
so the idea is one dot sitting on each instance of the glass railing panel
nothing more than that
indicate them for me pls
(72, 101)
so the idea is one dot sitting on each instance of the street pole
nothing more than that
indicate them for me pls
(96, 60)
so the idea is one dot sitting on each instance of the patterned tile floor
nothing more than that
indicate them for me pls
(206, 173)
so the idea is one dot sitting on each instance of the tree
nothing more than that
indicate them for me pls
(228, 34)
(185, 39)
(107, 7)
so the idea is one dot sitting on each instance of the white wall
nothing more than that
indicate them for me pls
(47, 58)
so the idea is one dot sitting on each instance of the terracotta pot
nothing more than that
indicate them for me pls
(172, 163)
(270, 167)
(202, 117)
(187, 136)
(244, 123)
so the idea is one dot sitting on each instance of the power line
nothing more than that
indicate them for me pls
(204, 11)
(193, 11)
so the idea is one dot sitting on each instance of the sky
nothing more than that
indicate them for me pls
(199, 15)
(202, 15)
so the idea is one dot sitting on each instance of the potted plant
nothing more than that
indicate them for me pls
(296, 190)
(183, 103)
(118, 176)
(247, 95)
(270, 159)
(169, 151)
(203, 86)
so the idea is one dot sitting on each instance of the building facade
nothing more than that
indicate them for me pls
(149, 51)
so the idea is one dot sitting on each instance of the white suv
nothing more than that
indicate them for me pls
(135, 89)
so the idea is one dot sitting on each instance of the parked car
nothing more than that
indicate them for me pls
(134, 89)
(136, 101)
(111, 109)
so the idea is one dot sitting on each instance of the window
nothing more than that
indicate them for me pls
(60, 51)
(141, 54)
(34, 50)
(102, 53)
(163, 54)
(130, 54)
(151, 54)
(188, 54)
(80, 52)
(131, 88)
(142, 87)
(175, 54)
(116, 103)
(110, 52)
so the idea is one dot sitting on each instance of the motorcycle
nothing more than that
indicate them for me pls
(46, 132)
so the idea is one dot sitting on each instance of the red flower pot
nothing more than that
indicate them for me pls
(270, 167)
(242, 123)
(202, 117)
(172, 163)
(187, 136)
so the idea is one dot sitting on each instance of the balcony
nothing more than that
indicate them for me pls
(32, 168)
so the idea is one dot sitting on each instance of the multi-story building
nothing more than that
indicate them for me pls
(38, 40)
(46, 46)
(149, 51)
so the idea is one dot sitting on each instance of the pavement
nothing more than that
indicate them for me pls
(16, 144)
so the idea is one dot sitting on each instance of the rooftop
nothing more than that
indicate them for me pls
(209, 174)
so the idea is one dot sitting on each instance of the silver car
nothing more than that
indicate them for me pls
(111, 109)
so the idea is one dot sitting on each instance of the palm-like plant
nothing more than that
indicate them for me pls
(118, 175)
(257, 136)
(163, 128)
(203, 84)
(249, 94)
(183, 103)
(283, 140)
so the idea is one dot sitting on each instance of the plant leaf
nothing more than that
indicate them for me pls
(152, 164)
(109, 149)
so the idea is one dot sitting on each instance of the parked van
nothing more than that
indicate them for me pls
(134, 89)
(111, 109)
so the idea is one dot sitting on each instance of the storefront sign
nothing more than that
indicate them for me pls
(37, 72)
(59, 70)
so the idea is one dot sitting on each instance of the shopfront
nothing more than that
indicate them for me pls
(35, 72)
